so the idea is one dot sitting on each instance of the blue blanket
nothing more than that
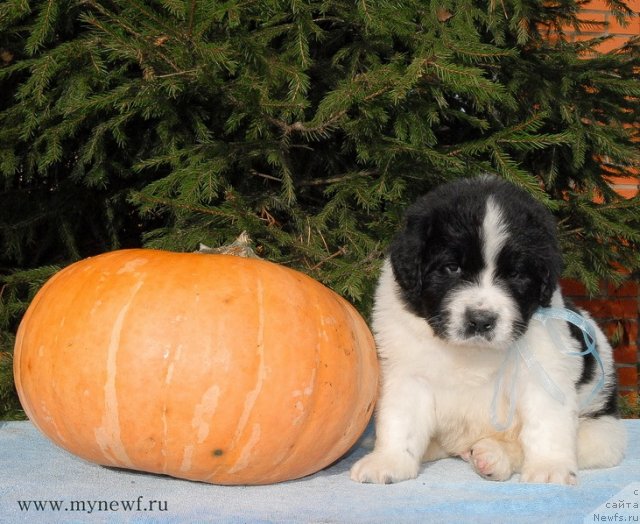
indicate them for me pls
(39, 482)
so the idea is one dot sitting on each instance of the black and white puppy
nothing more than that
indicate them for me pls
(473, 262)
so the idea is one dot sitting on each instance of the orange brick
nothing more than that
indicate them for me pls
(622, 180)
(612, 44)
(573, 288)
(597, 4)
(631, 330)
(628, 376)
(605, 24)
(610, 308)
(616, 28)
(626, 192)
(628, 289)
(626, 354)
(621, 332)
(594, 22)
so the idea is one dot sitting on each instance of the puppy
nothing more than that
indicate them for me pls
(469, 365)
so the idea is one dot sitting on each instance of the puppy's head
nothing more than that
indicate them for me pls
(475, 258)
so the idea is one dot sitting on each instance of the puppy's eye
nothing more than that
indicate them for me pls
(452, 269)
(516, 274)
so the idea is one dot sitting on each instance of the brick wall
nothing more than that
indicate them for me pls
(616, 310)
(597, 11)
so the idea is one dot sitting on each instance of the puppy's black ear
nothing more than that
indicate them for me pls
(407, 252)
(551, 275)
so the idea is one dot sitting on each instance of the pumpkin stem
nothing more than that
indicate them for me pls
(240, 247)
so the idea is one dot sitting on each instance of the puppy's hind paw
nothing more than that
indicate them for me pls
(385, 468)
(490, 460)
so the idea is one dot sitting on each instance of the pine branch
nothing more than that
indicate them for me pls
(43, 27)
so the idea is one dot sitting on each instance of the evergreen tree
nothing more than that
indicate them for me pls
(309, 124)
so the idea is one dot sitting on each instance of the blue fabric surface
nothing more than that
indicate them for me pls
(34, 469)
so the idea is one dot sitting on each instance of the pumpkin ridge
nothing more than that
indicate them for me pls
(110, 430)
(251, 398)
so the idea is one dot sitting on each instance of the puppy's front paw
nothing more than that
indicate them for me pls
(549, 474)
(385, 468)
(490, 460)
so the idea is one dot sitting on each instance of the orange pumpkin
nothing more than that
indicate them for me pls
(205, 367)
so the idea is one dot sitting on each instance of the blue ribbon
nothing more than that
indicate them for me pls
(520, 350)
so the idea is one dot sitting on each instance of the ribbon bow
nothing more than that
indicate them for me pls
(521, 351)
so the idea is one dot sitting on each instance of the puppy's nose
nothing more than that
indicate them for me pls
(480, 321)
